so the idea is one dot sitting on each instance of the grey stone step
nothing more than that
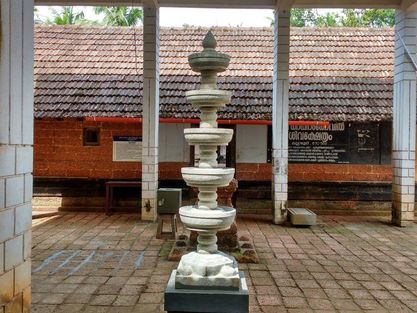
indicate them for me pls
(301, 217)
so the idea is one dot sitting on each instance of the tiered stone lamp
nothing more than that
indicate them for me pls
(207, 277)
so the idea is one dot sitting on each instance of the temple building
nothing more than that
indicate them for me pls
(88, 115)
(81, 106)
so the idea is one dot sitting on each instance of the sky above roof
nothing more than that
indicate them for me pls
(177, 17)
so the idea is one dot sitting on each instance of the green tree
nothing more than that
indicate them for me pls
(330, 19)
(368, 17)
(348, 18)
(352, 18)
(379, 17)
(120, 16)
(310, 17)
(302, 17)
(67, 16)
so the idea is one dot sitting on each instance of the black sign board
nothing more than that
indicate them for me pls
(127, 138)
(364, 143)
(340, 143)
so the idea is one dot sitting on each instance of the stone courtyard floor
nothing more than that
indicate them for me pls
(94, 263)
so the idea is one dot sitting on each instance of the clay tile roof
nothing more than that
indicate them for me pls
(336, 74)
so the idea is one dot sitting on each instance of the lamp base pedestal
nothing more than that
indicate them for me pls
(208, 301)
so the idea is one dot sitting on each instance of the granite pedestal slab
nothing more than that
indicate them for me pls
(209, 301)
(301, 217)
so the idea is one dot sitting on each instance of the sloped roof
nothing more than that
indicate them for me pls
(342, 74)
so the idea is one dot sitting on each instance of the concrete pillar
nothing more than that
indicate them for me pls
(404, 119)
(16, 153)
(150, 111)
(280, 114)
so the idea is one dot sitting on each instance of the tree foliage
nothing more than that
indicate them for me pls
(67, 16)
(302, 17)
(347, 18)
(330, 19)
(368, 18)
(120, 16)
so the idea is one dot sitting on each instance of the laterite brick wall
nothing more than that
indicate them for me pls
(59, 152)
(317, 172)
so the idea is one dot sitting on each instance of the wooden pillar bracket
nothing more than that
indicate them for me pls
(407, 51)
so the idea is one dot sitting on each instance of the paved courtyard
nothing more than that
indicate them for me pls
(95, 263)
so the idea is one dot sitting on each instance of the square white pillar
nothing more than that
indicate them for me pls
(150, 110)
(280, 114)
(404, 119)
(16, 153)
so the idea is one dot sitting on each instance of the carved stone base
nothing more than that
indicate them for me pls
(209, 301)
(207, 271)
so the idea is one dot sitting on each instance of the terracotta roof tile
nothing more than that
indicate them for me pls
(340, 74)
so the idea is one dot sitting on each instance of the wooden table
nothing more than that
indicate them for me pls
(110, 185)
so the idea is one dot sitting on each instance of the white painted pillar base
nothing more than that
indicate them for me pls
(404, 120)
(150, 111)
(280, 114)
(16, 154)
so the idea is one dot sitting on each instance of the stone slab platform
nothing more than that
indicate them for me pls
(301, 217)
(210, 301)
(341, 264)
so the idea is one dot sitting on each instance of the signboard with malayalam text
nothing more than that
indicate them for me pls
(340, 143)
(127, 149)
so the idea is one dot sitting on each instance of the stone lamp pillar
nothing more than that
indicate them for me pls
(207, 280)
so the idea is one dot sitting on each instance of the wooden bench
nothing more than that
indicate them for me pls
(110, 185)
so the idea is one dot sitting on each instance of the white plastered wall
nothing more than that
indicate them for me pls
(251, 143)
(172, 144)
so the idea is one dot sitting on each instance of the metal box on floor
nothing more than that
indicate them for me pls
(301, 217)
(169, 200)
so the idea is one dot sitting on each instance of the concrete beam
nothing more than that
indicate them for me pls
(355, 4)
(90, 2)
(243, 4)
(284, 4)
(409, 5)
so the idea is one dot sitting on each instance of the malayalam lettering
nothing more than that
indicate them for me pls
(315, 144)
